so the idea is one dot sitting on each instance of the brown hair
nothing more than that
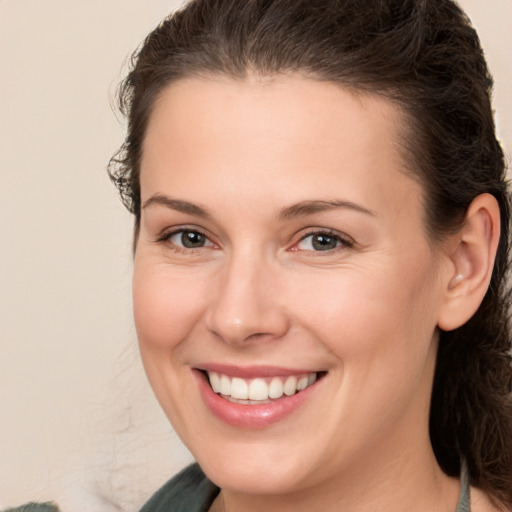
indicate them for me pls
(425, 56)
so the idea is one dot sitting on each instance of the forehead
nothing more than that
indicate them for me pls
(275, 137)
(269, 108)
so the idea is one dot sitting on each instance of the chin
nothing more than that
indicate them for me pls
(257, 469)
(252, 479)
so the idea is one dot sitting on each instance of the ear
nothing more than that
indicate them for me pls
(471, 253)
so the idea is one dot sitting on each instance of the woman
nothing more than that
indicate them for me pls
(321, 242)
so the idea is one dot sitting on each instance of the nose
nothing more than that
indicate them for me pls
(245, 307)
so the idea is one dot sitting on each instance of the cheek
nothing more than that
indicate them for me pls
(389, 309)
(166, 307)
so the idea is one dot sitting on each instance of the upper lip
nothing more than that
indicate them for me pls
(252, 372)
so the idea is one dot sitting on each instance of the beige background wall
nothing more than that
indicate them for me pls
(77, 421)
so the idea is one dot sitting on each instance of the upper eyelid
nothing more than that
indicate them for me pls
(168, 232)
(326, 231)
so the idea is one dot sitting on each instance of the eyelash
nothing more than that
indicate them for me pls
(343, 241)
(165, 238)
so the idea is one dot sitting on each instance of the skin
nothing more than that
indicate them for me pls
(258, 293)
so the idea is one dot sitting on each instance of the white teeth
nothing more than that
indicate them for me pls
(259, 389)
(290, 386)
(225, 385)
(302, 383)
(239, 389)
(214, 381)
(275, 389)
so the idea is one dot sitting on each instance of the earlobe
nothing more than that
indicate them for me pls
(472, 254)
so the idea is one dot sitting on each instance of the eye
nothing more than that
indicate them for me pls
(322, 241)
(189, 239)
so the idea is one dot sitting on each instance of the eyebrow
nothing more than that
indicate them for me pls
(303, 208)
(310, 207)
(176, 204)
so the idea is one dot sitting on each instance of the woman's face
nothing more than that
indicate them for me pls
(282, 246)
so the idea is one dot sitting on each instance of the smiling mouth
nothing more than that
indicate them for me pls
(260, 390)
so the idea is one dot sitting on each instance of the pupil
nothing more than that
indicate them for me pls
(191, 239)
(324, 242)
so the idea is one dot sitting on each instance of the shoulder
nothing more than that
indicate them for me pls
(35, 507)
(188, 491)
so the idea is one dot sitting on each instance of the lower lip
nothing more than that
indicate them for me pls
(251, 416)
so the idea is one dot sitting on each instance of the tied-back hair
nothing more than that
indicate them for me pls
(424, 56)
